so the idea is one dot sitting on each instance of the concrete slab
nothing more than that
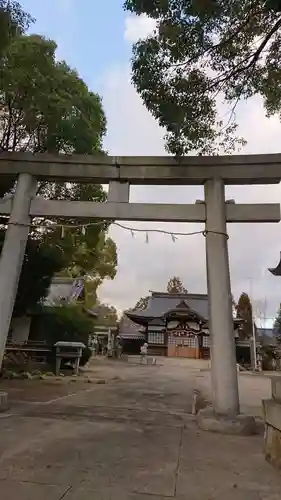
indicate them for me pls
(222, 494)
(270, 496)
(212, 463)
(9, 490)
(132, 439)
(130, 458)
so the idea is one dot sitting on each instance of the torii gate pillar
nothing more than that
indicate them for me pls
(12, 254)
(223, 358)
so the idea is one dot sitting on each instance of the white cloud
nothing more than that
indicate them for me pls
(142, 267)
(137, 27)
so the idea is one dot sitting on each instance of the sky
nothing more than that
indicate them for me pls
(96, 38)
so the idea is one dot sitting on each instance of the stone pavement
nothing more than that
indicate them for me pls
(130, 439)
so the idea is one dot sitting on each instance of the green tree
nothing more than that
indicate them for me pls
(68, 323)
(88, 251)
(244, 311)
(46, 107)
(277, 325)
(201, 51)
(107, 315)
(13, 22)
(33, 283)
(175, 285)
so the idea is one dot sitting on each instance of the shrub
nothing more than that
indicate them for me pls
(67, 323)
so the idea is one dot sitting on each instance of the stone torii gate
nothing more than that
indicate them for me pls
(212, 172)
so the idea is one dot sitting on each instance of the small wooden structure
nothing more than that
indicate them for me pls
(71, 351)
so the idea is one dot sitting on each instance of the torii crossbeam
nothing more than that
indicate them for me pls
(212, 172)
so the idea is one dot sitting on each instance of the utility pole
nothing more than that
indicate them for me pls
(254, 340)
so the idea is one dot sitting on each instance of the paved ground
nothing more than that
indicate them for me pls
(131, 439)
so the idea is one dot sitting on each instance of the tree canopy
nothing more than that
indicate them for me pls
(13, 22)
(244, 311)
(46, 107)
(175, 285)
(277, 325)
(202, 53)
(107, 315)
(88, 250)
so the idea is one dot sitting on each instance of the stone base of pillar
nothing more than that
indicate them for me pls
(240, 425)
(272, 446)
(272, 421)
(4, 403)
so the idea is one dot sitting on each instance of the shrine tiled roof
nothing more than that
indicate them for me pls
(276, 271)
(161, 303)
(130, 330)
(183, 309)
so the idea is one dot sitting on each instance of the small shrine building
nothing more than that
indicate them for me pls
(176, 325)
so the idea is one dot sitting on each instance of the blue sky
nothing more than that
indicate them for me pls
(89, 33)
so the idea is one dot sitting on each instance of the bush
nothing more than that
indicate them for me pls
(67, 323)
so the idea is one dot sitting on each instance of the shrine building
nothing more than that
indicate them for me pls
(174, 325)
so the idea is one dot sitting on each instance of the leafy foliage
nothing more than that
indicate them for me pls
(277, 325)
(175, 285)
(40, 265)
(244, 311)
(66, 323)
(46, 107)
(201, 51)
(88, 252)
(13, 22)
(107, 315)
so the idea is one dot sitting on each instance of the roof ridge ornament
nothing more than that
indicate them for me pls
(183, 304)
(276, 271)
